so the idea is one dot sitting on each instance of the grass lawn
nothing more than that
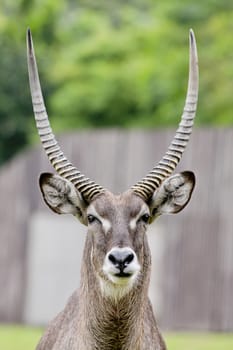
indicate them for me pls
(199, 341)
(26, 338)
(18, 337)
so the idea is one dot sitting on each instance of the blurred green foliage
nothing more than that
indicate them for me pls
(113, 63)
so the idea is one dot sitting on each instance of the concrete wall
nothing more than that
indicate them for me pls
(55, 245)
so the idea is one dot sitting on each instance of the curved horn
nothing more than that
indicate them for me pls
(89, 189)
(146, 187)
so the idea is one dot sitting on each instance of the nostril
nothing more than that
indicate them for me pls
(121, 263)
(129, 259)
(121, 258)
(112, 258)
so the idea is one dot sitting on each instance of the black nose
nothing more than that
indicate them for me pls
(121, 258)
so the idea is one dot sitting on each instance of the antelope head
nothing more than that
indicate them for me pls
(118, 250)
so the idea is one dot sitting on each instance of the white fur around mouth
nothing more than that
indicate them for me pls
(116, 288)
(118, 282)
(122, 281)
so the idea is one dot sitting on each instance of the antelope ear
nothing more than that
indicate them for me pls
(173, 195)
(61, 195)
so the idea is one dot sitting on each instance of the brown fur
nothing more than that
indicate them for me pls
(92, 321)
(95, 318)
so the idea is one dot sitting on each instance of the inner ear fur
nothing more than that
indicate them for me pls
(173, 194)
(61, 195)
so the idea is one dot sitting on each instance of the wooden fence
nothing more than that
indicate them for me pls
(195, 272)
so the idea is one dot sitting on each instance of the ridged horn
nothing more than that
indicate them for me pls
(89, 189)
(146, 187)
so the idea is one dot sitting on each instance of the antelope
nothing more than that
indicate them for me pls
(111, 308)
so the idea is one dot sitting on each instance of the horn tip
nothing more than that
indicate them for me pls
(191, 35)
(29, 39)
(193, 45)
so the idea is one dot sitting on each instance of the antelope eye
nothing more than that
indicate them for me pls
(145, 218)
(91, 218)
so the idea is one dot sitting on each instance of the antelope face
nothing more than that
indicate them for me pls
(117, 225)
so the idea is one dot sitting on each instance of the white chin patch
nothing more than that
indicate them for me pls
(116, 291)
(122, 281)
(116, 286)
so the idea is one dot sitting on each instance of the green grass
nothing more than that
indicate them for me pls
(18, 337)
(26, 338)
(199, 341)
